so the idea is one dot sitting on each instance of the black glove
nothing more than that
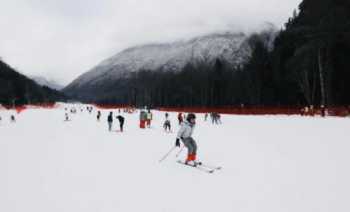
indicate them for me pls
(177, 143)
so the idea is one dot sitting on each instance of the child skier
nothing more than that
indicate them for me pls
(185, 134)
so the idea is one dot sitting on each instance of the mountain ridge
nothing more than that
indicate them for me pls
(171, 56)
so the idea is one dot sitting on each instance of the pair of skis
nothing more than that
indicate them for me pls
(201, 167)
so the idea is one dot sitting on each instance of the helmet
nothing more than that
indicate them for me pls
(191, 116)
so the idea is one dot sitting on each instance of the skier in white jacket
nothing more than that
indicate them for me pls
(185, 134)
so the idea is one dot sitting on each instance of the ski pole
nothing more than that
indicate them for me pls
(177, 155)
(165, 156)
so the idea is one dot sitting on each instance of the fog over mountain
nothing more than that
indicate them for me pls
(61, 39)
(45, 82)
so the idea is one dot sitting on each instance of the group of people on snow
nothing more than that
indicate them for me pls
(312, 111)
(12, 118)
(187, 124)
(146, 118)
(120, 118)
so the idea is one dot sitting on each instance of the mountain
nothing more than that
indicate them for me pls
(19, 89)
(45, 82)
(230, 47)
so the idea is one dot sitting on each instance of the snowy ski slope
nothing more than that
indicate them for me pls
(270, 164)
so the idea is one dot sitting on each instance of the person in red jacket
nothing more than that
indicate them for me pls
(180, 118)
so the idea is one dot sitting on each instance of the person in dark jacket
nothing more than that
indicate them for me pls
(98, 115)
(110, 121)
(167, 125)
(13, 119)
(121, 122)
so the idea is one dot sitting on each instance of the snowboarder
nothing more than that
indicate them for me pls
(98, 115)
(185, 134)
(167, 125)
(110, 121)
(121, 122)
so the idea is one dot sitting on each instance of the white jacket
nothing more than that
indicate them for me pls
(186, 130)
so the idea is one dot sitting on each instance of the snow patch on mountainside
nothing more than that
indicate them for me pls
(232, 47)
(45, 82)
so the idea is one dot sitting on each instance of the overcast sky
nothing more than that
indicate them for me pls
(61, 39)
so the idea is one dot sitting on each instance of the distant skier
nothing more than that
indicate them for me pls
(149, 118)
(98, 115)
(66, 117)
(205, 116)
(185, 134)
(110, 121)
(143, 119)
(167, 125)
(13, 119)
(323, 111)
(121, 122)
(217, 118)
(180, 118)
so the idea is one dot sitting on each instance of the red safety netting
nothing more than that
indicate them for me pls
(109, 106)
(334, 111)
(21, 108)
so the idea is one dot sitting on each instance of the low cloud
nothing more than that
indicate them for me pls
(62, 39)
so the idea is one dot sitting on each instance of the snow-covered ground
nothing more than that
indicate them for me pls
(270, 164)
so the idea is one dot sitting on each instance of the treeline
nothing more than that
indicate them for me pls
(309, 64)
(17, 89)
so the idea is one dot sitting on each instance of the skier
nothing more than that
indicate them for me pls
(110, 121)
(167, 125)
(185, 134)
(98, 115)
(143, 117)
(180, 118)
(13, 119)
(323, 111)
(205, 116)
(121, 122)
(67, 117)
(149, 118)
(216, 119)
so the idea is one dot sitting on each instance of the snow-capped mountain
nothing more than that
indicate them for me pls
(232, 47)
(49, 83)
